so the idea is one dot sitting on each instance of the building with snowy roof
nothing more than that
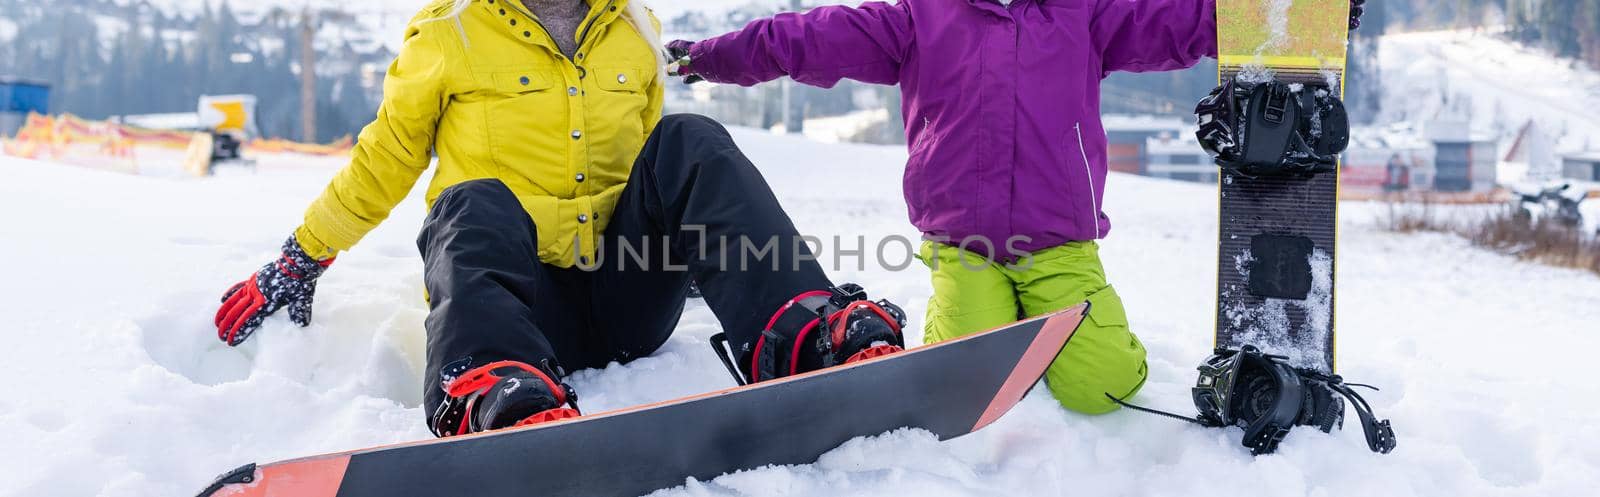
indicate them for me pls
(1531, 156)
(1387, 159)
(1465, 159)
(1127, 137)
(1179, 158)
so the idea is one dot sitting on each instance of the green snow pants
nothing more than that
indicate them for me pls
(972, 294)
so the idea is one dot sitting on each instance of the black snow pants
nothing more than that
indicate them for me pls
(492, 299)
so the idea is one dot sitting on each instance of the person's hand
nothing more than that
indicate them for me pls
(680, 64)
(290, 281)
(1357, 7)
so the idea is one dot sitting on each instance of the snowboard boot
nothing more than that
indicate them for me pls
(822, 329)
(501, 395)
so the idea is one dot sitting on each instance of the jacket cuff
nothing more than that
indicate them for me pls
(312, 245)
(700, 60)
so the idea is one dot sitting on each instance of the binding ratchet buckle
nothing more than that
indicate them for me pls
(1273, 128)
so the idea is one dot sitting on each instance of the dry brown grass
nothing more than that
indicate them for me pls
(1414, 216)
(1544, 240)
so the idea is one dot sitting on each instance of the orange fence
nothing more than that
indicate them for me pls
(275, 145)
(47, 136)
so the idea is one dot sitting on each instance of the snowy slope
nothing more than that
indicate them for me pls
(116, 385)
(1504, 85)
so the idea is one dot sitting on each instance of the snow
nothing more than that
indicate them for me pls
(1278, 23)
(8, 29)
(173, 120)
(840, 128)
(117, 386)
(1500, 84)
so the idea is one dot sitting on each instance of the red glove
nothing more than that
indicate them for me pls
(289, 281)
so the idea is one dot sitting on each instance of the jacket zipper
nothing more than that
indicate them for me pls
(922, 137)
(1088, 174)
(585, 33)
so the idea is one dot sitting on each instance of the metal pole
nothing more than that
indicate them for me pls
(794, 103)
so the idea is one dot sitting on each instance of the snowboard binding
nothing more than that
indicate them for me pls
(499, 395)
(1265, 396)
(1273, 128)
(817, 330)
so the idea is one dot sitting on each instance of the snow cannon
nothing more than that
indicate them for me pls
(226, 122)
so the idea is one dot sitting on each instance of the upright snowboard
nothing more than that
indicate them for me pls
(1276, 256)
(950, 388)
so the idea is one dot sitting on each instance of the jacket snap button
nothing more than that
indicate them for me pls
(622, 78)
(583, 218)
(580, 177)
(577, 134)
(513, 22)
(572, 91)
(524, 81)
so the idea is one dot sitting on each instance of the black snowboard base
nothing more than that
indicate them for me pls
(1275, 263)
(1275, 278)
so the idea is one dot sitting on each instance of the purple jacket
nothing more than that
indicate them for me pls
(1002, 105)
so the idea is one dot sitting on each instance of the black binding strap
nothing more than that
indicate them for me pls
(1178, 417)
(1380, 435)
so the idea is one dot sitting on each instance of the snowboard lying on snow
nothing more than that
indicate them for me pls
(951, 389)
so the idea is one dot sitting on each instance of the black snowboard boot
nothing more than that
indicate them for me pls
(502, 395)
(821, 329)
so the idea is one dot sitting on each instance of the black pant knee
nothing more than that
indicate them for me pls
(679, 126)
(482, 203)
(476, 200)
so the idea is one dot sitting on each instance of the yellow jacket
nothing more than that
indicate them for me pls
(493, 97)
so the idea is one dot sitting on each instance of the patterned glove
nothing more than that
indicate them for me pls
(1357, 7)
(678, 51)
(289, 281)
